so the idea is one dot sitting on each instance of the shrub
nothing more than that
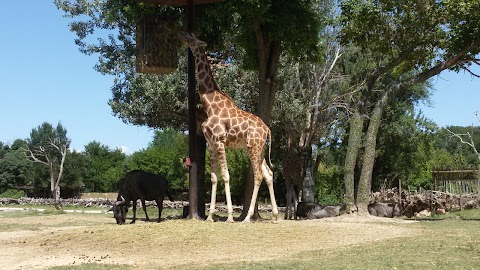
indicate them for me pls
(12, 193)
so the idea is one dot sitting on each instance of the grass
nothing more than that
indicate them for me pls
(470, 214)
(451, 241)
(448, 244)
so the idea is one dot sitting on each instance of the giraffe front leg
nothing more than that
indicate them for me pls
(228, 196)
(222, 160)
(214, 179)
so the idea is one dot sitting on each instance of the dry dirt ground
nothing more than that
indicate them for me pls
(39, 242)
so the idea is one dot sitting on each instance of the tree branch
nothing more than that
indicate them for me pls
(470, 143)
(319, 81)
(427, 74)
(33, 156)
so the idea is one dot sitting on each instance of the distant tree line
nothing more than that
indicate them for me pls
(95, 169)
(409, 148)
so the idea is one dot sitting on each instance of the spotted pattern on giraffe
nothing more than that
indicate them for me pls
(229, 126)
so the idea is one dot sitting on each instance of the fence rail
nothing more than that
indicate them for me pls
(456, 181)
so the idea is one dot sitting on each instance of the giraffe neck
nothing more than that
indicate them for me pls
(206, 82)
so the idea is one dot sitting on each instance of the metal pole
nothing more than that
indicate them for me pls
(192, 122)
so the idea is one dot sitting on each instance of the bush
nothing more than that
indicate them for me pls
(13, 194)
(329, 185)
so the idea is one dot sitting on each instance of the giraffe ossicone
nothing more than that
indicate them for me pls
(227, 126)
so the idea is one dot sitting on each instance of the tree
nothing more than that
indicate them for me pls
(260, 31)
(77, 170)
(15, 170)
(405, 147)
(106, 168)
(48, 146)
(409, 43)
(164, 156)
(3, 149)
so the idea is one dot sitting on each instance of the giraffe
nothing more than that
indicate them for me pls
(227, 126)
(292, 165)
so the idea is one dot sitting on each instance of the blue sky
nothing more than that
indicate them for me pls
(44, 78)
(455, 99)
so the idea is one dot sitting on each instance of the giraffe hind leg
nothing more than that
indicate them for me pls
(268, 174)
(257, 175)
(261, 172)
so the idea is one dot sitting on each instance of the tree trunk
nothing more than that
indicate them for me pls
(54, 188)
(365, 183)
(201, 146)
(308, 182)
(247, 196)
(354, 144)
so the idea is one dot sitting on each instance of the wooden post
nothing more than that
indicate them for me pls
(192, 123)
(460, 202)
(400, 194)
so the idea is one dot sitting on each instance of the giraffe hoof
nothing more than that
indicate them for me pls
(210, 219)
(246, 220)
(230, 220)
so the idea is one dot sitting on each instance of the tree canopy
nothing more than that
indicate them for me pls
(269, 56)
(408, 43)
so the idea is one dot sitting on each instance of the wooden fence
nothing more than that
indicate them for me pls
(456, 181)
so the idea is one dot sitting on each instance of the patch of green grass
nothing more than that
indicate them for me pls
(470, 214)
(28, 212)
(446, 244)
(18, 215)
(80, 207)
(28, 206)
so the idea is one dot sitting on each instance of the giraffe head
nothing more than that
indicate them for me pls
(191, 40)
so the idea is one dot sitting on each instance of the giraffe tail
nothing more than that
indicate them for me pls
(270, 149)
